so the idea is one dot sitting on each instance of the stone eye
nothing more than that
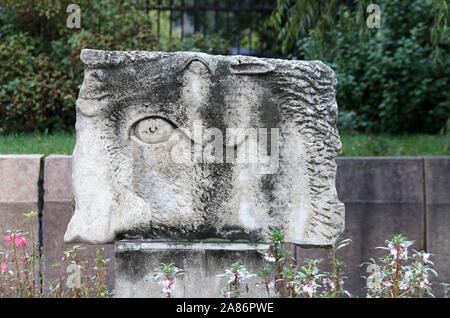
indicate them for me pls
(153, 130)
(197, 67)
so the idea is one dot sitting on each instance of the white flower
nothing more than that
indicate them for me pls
(271, 285)
(327, 281)
(393, 250)
(309, 288)
(425, 257)
(164, 282)
(423, 282)
(269, 257)
(228, 294)
(404, 253)
(408, 275)
(403, 285)
(167, 284)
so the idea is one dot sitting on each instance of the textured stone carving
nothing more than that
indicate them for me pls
(177, 146)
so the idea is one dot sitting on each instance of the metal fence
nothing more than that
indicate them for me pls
(244, 23)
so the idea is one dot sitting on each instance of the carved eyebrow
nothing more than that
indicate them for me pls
(250, 67)
(197, 59)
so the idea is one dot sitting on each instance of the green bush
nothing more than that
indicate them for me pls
(36, 90)
(40, 71)
(388, 78)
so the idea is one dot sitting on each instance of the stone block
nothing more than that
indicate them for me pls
(56, 214)
(191, 146)
(437, 186)
(58, 178)
(202, 262)
(19, 194)
(19, 178)
(380, 179)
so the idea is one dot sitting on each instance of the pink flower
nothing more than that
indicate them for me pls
(6, 256)
(423, 282)
(309, 289)
(19, 240)
(269, 257)
(239, 276)
(167, 284)
(8, 238)
(327, 281)
(228, 294)
(3, 267)
(164, 282)
(24, 258)
(270, 285)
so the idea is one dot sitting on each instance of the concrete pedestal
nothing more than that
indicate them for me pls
(135, 262)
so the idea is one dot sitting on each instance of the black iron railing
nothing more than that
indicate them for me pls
(244, 23)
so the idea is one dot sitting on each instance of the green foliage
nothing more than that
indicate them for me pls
(282, 277)
(399, 275)
(235, 275)
(394, 79)
(357, 145)
(40, 71)
(36, 90)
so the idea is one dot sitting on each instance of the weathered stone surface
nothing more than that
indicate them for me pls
(159, 153)
(437, 193)
(19, 193)
(19, 178)
(56, 214)
(58, 178)
(202, 262)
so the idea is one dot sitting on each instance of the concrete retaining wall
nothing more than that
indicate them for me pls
(382, 196)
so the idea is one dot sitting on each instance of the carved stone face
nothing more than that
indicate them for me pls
(193, 146)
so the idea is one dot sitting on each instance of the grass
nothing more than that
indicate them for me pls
(400, 145)
(38, 143)
(353, 145)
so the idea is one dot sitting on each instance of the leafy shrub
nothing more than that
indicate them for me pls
(40, 71)
(400, 274)
(37, 92)
(166, 275)
(235, 276)
(389, 78)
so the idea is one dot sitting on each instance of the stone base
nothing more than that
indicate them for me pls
(135, 262)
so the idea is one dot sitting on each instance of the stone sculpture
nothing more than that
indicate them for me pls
(190, 146)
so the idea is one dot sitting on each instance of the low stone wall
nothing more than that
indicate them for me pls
(382, 196)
